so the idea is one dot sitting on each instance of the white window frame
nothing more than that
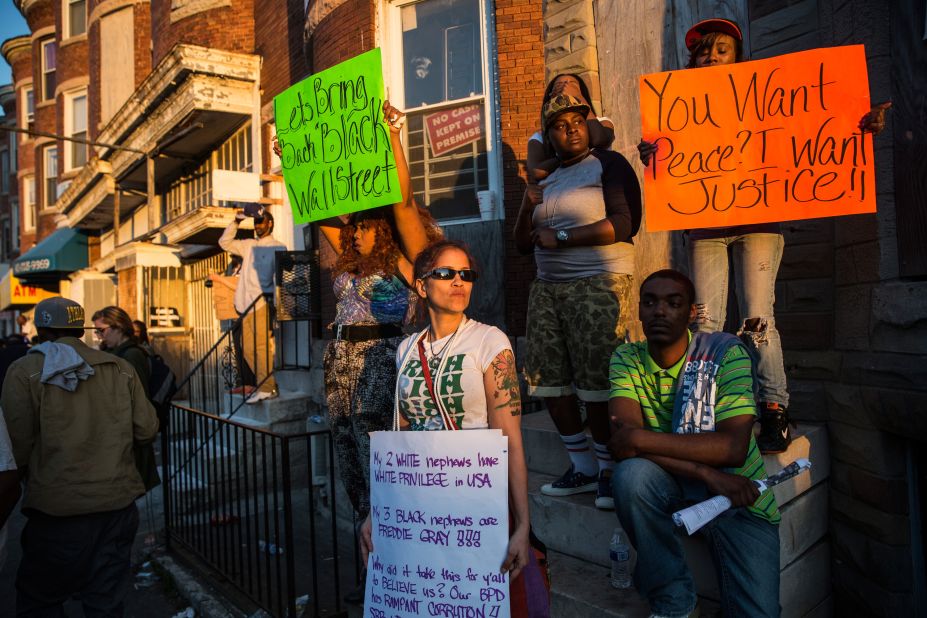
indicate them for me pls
(44, 72)
(27, 116)
(390, 38)
(46, 194)
(66, 7)
(69, 98)
(28, 202)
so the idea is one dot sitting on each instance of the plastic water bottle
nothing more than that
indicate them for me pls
(620, 553)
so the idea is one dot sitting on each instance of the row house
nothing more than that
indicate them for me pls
(156, 98)
(173, 94)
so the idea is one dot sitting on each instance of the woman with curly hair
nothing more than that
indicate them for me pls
(372, 281)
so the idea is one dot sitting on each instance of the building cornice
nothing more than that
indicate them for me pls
(42, 33)
(14, 47)
(202, 218)
(85, 193)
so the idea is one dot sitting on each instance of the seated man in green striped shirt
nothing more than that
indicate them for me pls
(682, 413)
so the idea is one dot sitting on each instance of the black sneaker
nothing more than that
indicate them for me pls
(603, 496)
(775, 432)
(572, 482)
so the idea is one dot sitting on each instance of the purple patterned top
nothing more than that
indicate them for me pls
(373, 299)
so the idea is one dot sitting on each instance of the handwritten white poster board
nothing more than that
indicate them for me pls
(439, 508)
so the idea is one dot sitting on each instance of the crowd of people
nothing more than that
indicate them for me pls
(662, 431)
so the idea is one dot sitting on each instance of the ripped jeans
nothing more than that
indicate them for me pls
(756, 260)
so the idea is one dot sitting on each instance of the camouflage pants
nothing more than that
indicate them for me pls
(360, 382)
(573, 329)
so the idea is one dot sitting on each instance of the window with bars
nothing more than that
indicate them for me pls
(448, 134)
(195, 190)
(163, 296)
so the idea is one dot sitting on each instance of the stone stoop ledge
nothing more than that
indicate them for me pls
(583, 550)
(285, 413)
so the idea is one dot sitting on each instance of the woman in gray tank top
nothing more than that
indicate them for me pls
(579, 229)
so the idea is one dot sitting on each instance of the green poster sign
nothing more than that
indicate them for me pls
(335, 147)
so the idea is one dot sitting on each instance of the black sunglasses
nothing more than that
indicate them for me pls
(446, 274)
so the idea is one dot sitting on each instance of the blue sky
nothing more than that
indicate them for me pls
(11, 24)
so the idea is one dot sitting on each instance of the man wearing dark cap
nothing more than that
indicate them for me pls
(255, 281)
(73, 415)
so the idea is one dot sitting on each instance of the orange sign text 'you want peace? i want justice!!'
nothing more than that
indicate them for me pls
(758, 142)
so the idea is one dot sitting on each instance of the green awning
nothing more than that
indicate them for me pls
(63, 252)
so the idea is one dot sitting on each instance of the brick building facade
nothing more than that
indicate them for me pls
(185, 87)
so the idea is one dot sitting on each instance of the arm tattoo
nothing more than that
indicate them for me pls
(505, 379)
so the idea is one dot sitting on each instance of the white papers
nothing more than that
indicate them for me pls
(439, 509)
(697, 515)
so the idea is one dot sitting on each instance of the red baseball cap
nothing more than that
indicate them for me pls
(707, 26)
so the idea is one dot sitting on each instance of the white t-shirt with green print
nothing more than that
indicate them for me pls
(460, 385)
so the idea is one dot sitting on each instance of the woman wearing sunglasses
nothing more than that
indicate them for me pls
(472, 366)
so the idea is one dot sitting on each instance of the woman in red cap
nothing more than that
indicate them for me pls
(756, 251)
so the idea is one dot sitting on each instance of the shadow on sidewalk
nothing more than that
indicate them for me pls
(149, 596)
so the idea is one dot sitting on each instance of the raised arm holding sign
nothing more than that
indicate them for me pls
(758, 142)
(375, 247)
(336, 152)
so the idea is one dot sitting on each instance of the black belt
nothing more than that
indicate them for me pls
(365, 332)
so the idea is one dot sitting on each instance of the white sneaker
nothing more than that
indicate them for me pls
(259, 396)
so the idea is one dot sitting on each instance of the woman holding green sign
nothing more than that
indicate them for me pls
(372, 284)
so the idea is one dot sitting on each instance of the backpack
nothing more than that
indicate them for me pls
(162, 385)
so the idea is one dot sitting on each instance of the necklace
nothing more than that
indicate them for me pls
(431, 346)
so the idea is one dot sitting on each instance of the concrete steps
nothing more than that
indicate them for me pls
(578, 533)
(221, 457)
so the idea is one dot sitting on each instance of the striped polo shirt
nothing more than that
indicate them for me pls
(635, 375)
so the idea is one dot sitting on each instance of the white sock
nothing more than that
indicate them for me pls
(581, 456)
(603, 456)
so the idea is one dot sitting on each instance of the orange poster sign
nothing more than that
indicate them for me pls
(758, 142)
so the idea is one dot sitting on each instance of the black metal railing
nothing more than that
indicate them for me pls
(258, 507)
(238, 364)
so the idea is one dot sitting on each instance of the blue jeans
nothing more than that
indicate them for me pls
(756, 260)
(744, 547)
